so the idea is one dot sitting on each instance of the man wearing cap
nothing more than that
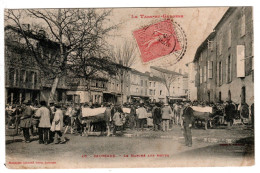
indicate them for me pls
(44, 126)
(25, 121)
(187, 123)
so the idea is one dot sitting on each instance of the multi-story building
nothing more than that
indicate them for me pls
(82, 90)
(192, 89)
(138, 85)
(103, 88)
(179, 88)
(224, 61)
(177, 84)
(24, 79)
(157, 90)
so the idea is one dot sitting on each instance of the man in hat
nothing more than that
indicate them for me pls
(142, 115)
(118, 121)
(57, 125)
(108, 118)
(229, 113)
(157, 116)
(187, 123)
(132, 117)
(166, 116)
(25, 121)
(44, 125)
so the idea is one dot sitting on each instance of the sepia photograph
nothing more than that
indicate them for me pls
(129, 87)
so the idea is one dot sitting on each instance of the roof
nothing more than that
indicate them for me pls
(213, 34)
(203, 45)
(225, 17)
(155, 78)
(165, 71)
(33, 35)
(139, 73)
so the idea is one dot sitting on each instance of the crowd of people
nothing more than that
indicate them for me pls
(54, 121)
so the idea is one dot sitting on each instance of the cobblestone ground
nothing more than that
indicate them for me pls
(136, 149)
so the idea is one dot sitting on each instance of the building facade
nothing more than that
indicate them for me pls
(224, 61)
(24, 79)
(177, 84)
(138, 86)
(157, 90)
(192, 89)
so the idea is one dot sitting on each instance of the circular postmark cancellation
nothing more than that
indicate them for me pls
(161, 39)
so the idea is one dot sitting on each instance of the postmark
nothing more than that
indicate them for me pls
(161, 39)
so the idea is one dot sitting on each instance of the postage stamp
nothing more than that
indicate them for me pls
(161, 39)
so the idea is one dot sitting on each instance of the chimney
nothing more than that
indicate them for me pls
(42, 33)
(26, 27)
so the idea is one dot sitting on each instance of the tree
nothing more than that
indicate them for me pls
(79, 34)
(167, 76)
(125, 56)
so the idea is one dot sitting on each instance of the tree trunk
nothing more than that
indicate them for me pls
(167, 98)
(53, 89)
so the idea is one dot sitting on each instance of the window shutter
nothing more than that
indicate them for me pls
(243, 25)
(240, 61)
(227, 71)
(218, 74)
(210, 66)
(229, 35)
(205, 73)
(231, 64)
(252, 55)
(201, 75)
(221, 73)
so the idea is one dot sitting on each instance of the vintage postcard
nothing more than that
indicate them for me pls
(129, 87)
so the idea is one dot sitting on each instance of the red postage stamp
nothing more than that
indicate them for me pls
(157, 40)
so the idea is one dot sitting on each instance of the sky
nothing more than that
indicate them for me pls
(197, 24)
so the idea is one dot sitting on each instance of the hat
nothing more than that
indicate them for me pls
(57, 105)
(27, 102)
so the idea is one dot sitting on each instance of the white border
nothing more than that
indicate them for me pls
(132, 3)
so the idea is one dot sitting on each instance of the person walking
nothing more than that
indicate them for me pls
(118, 121)
(252, 109)
(25, 121)
(132, 117)
(142, 115)
(57, 125)
(44, 125)
(166, 116)
(187, 124)
(229, 112)
(157, 117)
(108, 118)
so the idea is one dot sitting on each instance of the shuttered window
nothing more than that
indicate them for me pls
(240, 61)
(205, 73)
(201, 75)
(243, 25)
(220, 45)
(220, 73)
(229, 35)
(210, 70)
